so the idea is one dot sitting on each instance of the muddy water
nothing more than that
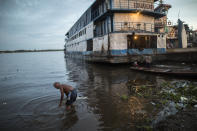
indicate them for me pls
(29, 102)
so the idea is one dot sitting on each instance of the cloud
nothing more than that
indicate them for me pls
(42, 24)
(187, 9)
(37, 24)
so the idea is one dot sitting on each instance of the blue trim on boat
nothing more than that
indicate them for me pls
(87, 52)
(138, 52)
(119, 52)
(161, 50)
(129, 51)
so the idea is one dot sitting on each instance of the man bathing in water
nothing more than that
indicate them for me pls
(70, 92)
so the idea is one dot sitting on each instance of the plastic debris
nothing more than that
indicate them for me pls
(170, 109)
(82, 98)
(153, 103)
(183, 99)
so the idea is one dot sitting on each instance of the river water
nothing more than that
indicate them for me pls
(28, 100)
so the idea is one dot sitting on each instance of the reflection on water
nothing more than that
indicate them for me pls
(104, 85)
(28, 100)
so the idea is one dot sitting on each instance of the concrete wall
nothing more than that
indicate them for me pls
(100, 43)
(184, 38)
(118, 41)
(161, 41)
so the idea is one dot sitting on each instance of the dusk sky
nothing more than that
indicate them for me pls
(42, 24)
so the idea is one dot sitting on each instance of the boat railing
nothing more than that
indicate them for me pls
(134, 26)
(133, 4)
(159, 24)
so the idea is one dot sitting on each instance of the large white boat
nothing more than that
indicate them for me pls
(118, 31)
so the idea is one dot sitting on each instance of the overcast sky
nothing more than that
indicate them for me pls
(41, 24)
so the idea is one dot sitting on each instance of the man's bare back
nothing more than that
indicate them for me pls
(70, 92)
(66, 88)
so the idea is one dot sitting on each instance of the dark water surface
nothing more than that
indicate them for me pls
(28, 100)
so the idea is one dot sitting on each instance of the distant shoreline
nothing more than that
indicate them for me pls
(24, 51)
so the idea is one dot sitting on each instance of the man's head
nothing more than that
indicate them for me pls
(56, 85)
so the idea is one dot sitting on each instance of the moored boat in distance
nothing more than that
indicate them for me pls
(118, 31)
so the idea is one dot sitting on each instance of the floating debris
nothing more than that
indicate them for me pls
(183, 99)
(82, 98)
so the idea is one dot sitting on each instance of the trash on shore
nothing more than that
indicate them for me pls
(168, 97)
(170, 109)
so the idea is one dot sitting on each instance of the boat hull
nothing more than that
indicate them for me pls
(169, 72)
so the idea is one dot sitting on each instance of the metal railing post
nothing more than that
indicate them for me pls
(134, 26)
(128, 4)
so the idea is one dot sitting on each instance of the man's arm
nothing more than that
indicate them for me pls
(62, 96)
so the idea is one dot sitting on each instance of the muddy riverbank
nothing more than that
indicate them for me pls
(184, 120)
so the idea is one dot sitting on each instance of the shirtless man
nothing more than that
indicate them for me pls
(69, 91)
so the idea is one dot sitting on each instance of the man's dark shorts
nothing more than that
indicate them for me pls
(73, 97)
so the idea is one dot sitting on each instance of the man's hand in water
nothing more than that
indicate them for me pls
(62, 96)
